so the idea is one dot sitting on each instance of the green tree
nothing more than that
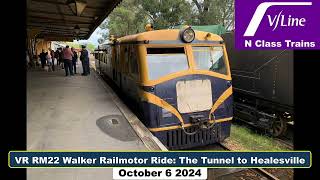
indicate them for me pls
(73, 44)
(91, 47)
(165, 13)
(124, 20)
(208, 12)
(131, 16)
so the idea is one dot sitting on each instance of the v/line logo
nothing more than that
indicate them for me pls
(285, 21)
(277, 20)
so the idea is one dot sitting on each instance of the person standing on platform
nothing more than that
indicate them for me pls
(49, 61)
(68, 55)
(84, 57)
(42, 58)
(74, 60)
(52, 57)
(88, 64)
(27, 60)
(61, 58)
(56, 58)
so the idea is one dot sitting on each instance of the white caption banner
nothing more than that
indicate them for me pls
(160, 173)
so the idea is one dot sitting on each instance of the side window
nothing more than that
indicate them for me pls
(133, 60)
(109, 54)
(126, 57)
(101, 56)
(104, 56)
(126, 54)
(118, 55)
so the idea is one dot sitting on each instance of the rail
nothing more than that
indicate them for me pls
(257, 171)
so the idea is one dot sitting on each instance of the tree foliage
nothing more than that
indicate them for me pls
(131, 16)
(89, 46)
(124, 20)
(165, 13)
(208, 12)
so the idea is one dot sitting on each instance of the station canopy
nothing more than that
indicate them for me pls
(65, 20)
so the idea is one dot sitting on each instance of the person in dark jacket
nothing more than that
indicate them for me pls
(43, 58)
(56, 56)
(61, 60)
(52, 56)
(84, 57)
(74, 60)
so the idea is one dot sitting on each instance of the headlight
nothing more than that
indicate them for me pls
(187, 35)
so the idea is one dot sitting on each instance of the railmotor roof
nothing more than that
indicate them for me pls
(215, 29)
(167, 35)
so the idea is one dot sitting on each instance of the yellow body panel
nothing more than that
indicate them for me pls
(167, 35)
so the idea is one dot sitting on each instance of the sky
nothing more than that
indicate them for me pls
(93, 38)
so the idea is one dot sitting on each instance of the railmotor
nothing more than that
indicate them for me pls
(179, 78)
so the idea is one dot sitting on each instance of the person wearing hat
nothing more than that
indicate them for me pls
(43, 58)
(84, 57)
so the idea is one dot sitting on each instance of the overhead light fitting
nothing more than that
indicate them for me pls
(77, 29)
(77, 6)
(77, 32)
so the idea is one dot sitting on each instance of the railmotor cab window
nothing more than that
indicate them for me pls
(165, 61)
(210, 58)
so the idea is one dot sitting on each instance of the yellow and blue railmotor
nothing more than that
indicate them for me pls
(179, 79)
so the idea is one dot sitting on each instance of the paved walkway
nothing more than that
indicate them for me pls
(74, 113)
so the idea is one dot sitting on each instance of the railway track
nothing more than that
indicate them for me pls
(287, 139)
(287, 143)
(239, 173)
(229, 173)
(260, 171)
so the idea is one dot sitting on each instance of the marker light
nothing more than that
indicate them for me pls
(187, 35)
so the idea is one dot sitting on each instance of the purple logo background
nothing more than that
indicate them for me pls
(244, 10)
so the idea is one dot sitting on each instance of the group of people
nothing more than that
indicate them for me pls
(47, 58)
(66, 58)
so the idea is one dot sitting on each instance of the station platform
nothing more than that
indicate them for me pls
(74, 113)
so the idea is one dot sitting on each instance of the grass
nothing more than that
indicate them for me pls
(247, 139)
